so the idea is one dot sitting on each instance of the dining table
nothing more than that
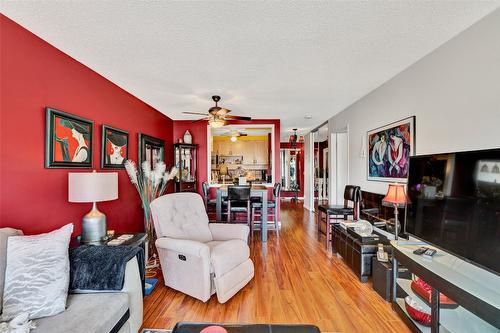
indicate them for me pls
(256, 191)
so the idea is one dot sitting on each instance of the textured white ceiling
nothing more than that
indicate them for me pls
(266, 59)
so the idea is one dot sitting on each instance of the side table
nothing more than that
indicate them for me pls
(382, 278)
(138, 239)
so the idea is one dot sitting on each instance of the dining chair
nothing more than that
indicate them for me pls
(210, 204)
(352, 194)
(206, 196)
(271, 204)
(238, 201)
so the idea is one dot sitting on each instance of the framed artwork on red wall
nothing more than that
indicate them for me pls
(151, 149)
(114, 148)
(68, 140)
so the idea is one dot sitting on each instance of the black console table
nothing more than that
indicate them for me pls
(356, 251)
(475, 291)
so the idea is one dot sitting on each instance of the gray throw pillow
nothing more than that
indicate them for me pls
(37, 274)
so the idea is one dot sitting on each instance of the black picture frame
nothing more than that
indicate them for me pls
(150, 149)
(116, 137)
(75, 133)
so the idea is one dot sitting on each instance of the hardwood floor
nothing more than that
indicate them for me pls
(296, 281)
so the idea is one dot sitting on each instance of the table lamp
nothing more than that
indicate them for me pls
(93, 187)
(395, 197)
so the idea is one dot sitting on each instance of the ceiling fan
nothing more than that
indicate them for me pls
(217, 116)
(234, 134)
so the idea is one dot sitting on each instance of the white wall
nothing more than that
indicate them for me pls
(454, 92)
(308, 172)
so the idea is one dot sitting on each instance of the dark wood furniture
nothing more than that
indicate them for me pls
(356, 251)
(329, 213)
(238, 201)
(475, 290)
(382, 276)
(257, 191)
(185, 159)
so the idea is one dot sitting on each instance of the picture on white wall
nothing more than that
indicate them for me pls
(389, 151)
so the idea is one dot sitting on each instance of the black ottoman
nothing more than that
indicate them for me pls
(257, 328)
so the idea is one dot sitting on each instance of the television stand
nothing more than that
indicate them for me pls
(476, 291)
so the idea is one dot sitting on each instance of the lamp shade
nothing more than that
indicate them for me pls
(92, 186)
(396, 195)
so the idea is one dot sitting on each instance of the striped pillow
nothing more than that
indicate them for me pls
(37, 274)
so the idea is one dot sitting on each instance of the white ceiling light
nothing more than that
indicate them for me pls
(233, 139)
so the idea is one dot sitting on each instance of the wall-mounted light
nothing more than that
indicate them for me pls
(362, 150)
(233, 139)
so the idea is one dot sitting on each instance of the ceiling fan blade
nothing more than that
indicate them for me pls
(238, 117)
(223, 111)
(198, 113)
(201, 119)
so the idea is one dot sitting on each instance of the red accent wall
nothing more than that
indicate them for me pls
(34, 75)
(289, 194)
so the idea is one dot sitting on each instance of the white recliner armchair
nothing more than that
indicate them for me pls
(198, 258)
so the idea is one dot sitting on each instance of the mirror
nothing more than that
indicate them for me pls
(289, 173)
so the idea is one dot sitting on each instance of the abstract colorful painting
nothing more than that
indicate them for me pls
(389, 151)
(114, 148)
(68, 140)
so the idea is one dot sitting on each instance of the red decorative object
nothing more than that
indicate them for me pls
(214, 329)
(416, 312)
(293, 138)
(422, 289)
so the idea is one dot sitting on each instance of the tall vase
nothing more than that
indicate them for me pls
(150, 232)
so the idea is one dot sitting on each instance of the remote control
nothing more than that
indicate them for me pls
(429, 253)
(420, 250)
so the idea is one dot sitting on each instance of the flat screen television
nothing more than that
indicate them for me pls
(455, 204)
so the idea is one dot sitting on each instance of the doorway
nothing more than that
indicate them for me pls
(321, 165)
(339, 161)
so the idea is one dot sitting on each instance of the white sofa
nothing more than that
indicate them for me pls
(88, 311)
(198, 258)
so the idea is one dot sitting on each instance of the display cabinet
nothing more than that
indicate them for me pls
(451, 294)
(185, 156)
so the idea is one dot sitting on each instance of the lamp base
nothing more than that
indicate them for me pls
(94, 228)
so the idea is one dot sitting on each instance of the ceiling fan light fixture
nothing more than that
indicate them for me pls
(216, 123)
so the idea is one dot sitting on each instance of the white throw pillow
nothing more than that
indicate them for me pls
(37, 274)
